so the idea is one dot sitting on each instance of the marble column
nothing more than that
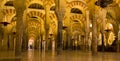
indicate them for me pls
(19, 31)
(102, 16)
(87, 30)
(20, 7)
(68, 38)
(38, 44)
(117, 37)
(24, 42)
(94, 37)
(119, 40)
(1, 30)
(11, 47)
(64, 39)
(103, 28)
(47, 22)
(94, 34)
(1, 39)
(60, 12)
(5, 40)
(68, 30)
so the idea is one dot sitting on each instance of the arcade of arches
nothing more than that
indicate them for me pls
(53, 25)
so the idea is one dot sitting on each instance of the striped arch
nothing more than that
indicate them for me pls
(54, 23)
(2, 3)
(53, 16)
(99, 24)
(78, 4)
(2, 8)
(80, 19)
(51, 3)
(34, 22)
(37, 23)
(29, 2)
(35, 14)
(39, 15)
(10, 13)
(31, 34)
(32, 30)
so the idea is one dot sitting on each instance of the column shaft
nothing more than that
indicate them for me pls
(94, 35)
(60, 12)
(19, 31)
(47, 22)
(119, 40)
(24, 43)
(87, 30)
(60, 24)
(5, 40)
(103, 32)
(68, 30)
(0, 40)
(11, 46)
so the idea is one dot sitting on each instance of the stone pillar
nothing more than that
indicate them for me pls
(87, 30)
(94, 33)
(20, 7)
(19, 31)
(43, 42)
(60, 12)
(119, 40)
(1, 30)
(103, 26)
(1, 39)
(53, 43)
(64, 39)
(25, 36)
(24, 42)
(94, 37)
(68, 38)
(38, 44)
(68, 30)
(11, 47)
(5, 40)
(47, 22)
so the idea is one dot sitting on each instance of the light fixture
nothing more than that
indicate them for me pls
(90, 25)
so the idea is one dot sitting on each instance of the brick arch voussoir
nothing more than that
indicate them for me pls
(51, 3)
(29, 2)
(53, 16)
(35, 13)
(77, 3)
(76, 17)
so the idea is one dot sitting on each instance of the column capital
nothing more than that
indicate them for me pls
(60, 7)
(20, 4)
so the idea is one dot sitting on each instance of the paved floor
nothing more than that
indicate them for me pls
(64, 56)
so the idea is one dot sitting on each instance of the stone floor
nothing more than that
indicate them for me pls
(64, 56)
